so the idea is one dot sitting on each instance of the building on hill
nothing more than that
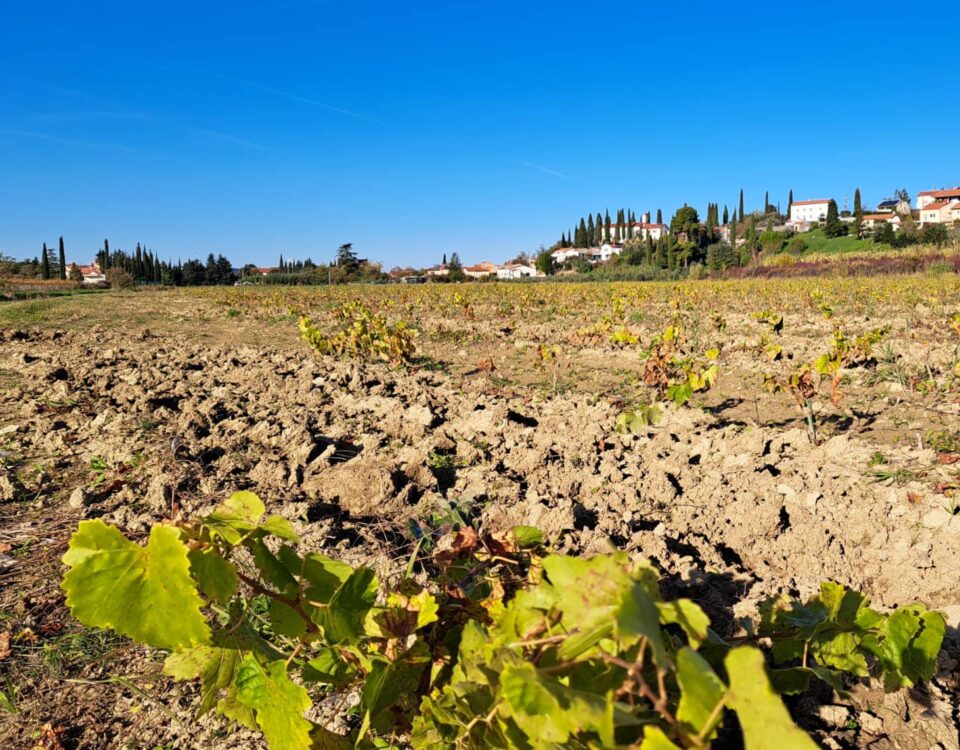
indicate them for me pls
(894, 205)
(927, 197)
(437, 271)
(804, 213)
(91, 274)
(516, 271)
(870, 221)
(564, 254)
(481, 270)
(939, 212)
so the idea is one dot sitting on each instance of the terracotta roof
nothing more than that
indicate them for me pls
(880, 217)
(647, 225)
(809, 203)
(951, 193)
(935, 206)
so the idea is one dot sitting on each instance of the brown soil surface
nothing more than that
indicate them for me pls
(137, 407)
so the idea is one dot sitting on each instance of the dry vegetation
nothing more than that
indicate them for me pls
(537, 404)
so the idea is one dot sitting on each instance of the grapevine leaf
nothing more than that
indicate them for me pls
(638, 617)
(235, 517)
(145, 593)
(324, 575)
(841, 652)
(701, 691)
(324, 739)
(688, 616)
(790, 681)
(342, 618)
(216, 668)
(655, 739)
(277, 702)
(328, 666)
(216, 665)
(527, 537)
(279, 526)
(763, 717)
(286, 621)
(389, 684)
(908, 654)
(274, 571)
(215, 576)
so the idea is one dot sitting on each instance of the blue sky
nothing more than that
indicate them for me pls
(416, 129)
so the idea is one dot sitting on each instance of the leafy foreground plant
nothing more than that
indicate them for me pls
(518, 651)
(365, 335)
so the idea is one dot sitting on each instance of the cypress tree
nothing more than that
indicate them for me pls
(63, 260)
(659, 216)
(281, 262)
(598, 231)
(741, 205)
(106, 255)
(582, 231)
(766, 201)
(590, 229)
(45, 263)
(789, 203)
(833, 227)
(726, 215)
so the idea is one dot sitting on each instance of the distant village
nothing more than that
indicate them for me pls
(594, 243)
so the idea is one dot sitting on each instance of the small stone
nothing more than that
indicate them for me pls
(835, 716)
(869, 723)
(78, 498)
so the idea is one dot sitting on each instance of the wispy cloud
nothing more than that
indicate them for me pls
(545, 170)
(230, 139)
(91, 145)
(291, 96)
(82, 115)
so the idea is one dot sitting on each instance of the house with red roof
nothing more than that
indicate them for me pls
(804, 213)
(927, 197)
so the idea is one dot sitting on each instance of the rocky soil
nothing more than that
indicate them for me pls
(135, 427)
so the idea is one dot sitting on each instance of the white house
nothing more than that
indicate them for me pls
(927, 197)
(516, 271)
(870, 221)
(564, 254)
(606, 251)
(806, 212)
(91, 274)
(939, 212)
(438, 271)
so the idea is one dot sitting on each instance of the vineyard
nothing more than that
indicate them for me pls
(658, 515)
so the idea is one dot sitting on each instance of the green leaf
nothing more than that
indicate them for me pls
(277, 702)
(527, 537)
(236, 517)
(701, 691)
(790, 681)
(216, 668)
(145, 593)
(215, 576)
(327, 666)
(324, 575)
(908, 654)
(638, 616)
(342, 618)
(285, 620)
(688, 616)
(655, 739)
(390, 684)
(841, 652)
(216, 665)
(279, 526)
(763, 717)
(273, 569)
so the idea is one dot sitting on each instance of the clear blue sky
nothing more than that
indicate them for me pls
(414, 129)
